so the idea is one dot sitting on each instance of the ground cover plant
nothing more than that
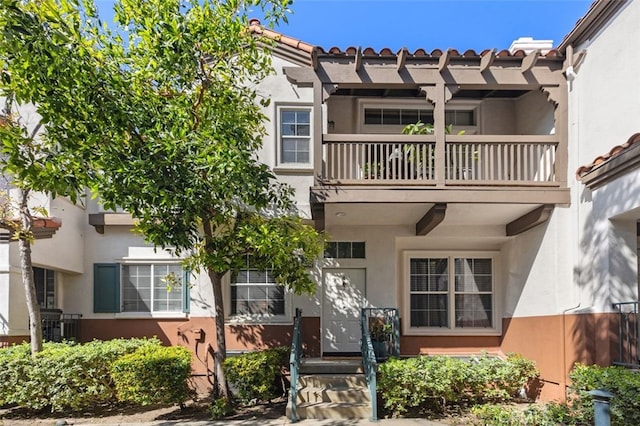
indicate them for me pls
(70, 376)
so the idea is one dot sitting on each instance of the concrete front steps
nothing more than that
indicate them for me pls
(332, 389)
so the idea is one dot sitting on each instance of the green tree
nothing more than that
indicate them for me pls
(166, 124)
(31, 160)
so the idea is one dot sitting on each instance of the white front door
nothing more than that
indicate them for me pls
(343, 298)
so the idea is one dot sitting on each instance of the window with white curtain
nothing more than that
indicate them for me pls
(451, 292)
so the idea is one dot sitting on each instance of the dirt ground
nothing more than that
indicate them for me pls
(194, 411)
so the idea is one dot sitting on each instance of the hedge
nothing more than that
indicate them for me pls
(64, 376)
(436, 383)
(257, 375)
(153, 375)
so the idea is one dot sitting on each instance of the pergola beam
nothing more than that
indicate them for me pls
(402, 57)
(487, 60)
(359, 59)
(530, 61)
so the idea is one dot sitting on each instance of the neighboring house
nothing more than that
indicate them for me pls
(483, 241)
(604, 95)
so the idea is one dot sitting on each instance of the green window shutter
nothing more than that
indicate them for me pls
(106, 287)
(186, 297)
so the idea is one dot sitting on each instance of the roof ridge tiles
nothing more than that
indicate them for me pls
(257, 28)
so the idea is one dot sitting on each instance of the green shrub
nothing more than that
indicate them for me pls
(14, 364)
(256, 375)
(153, 375)
(622, 382)
(508, 415)
(427, 383)
(63, 375)
(220, 408)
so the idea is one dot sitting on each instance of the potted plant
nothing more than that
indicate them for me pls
(380, 332)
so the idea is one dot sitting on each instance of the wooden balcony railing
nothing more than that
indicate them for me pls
(493, 160)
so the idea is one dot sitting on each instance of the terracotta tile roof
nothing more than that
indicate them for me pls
(616, 150)
(257, 28)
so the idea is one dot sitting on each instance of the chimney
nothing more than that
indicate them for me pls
(528, 45)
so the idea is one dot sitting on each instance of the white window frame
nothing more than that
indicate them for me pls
(255, 318)
(407, 329)
(151, 313)
(458, 105)
(279, 108)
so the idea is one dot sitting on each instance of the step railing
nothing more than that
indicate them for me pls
(487, 160)
(369, 363)
(294, 363)
(628, 334)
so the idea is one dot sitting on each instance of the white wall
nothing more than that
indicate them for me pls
(65, 250)
(604, 103)
(534, 114)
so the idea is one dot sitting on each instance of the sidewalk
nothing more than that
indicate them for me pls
(284, 421)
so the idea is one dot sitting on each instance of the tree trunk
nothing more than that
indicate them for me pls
(221, 343)
(24, 243)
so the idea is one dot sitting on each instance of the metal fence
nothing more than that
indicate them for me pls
(628, 343)
(58, 326)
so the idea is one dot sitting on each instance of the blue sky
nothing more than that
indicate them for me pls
(428, 24)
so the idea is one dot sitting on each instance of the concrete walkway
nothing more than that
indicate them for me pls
(285, 421)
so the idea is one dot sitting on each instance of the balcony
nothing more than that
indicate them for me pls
(414, 160)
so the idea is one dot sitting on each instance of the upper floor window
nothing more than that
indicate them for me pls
(44, 280)
(397, 116)
(391, 116)
(451, 293)
(295, 135)
(254, 291)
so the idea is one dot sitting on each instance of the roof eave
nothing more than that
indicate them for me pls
(596, 17)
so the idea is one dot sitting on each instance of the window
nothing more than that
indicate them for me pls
(255, 292)
(152, 288)
(44, 280)
(345, 250)
(451, 292)
(295, 136)
(401, 116)
(392, 115)
(397, 116)
(140, 288)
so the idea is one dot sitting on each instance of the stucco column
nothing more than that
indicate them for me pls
(559, 97)
(318, 125)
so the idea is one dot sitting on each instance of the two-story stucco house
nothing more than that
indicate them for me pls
(478, 234)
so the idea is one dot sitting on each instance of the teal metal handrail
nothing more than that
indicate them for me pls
(369, 363)
(294, 363)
